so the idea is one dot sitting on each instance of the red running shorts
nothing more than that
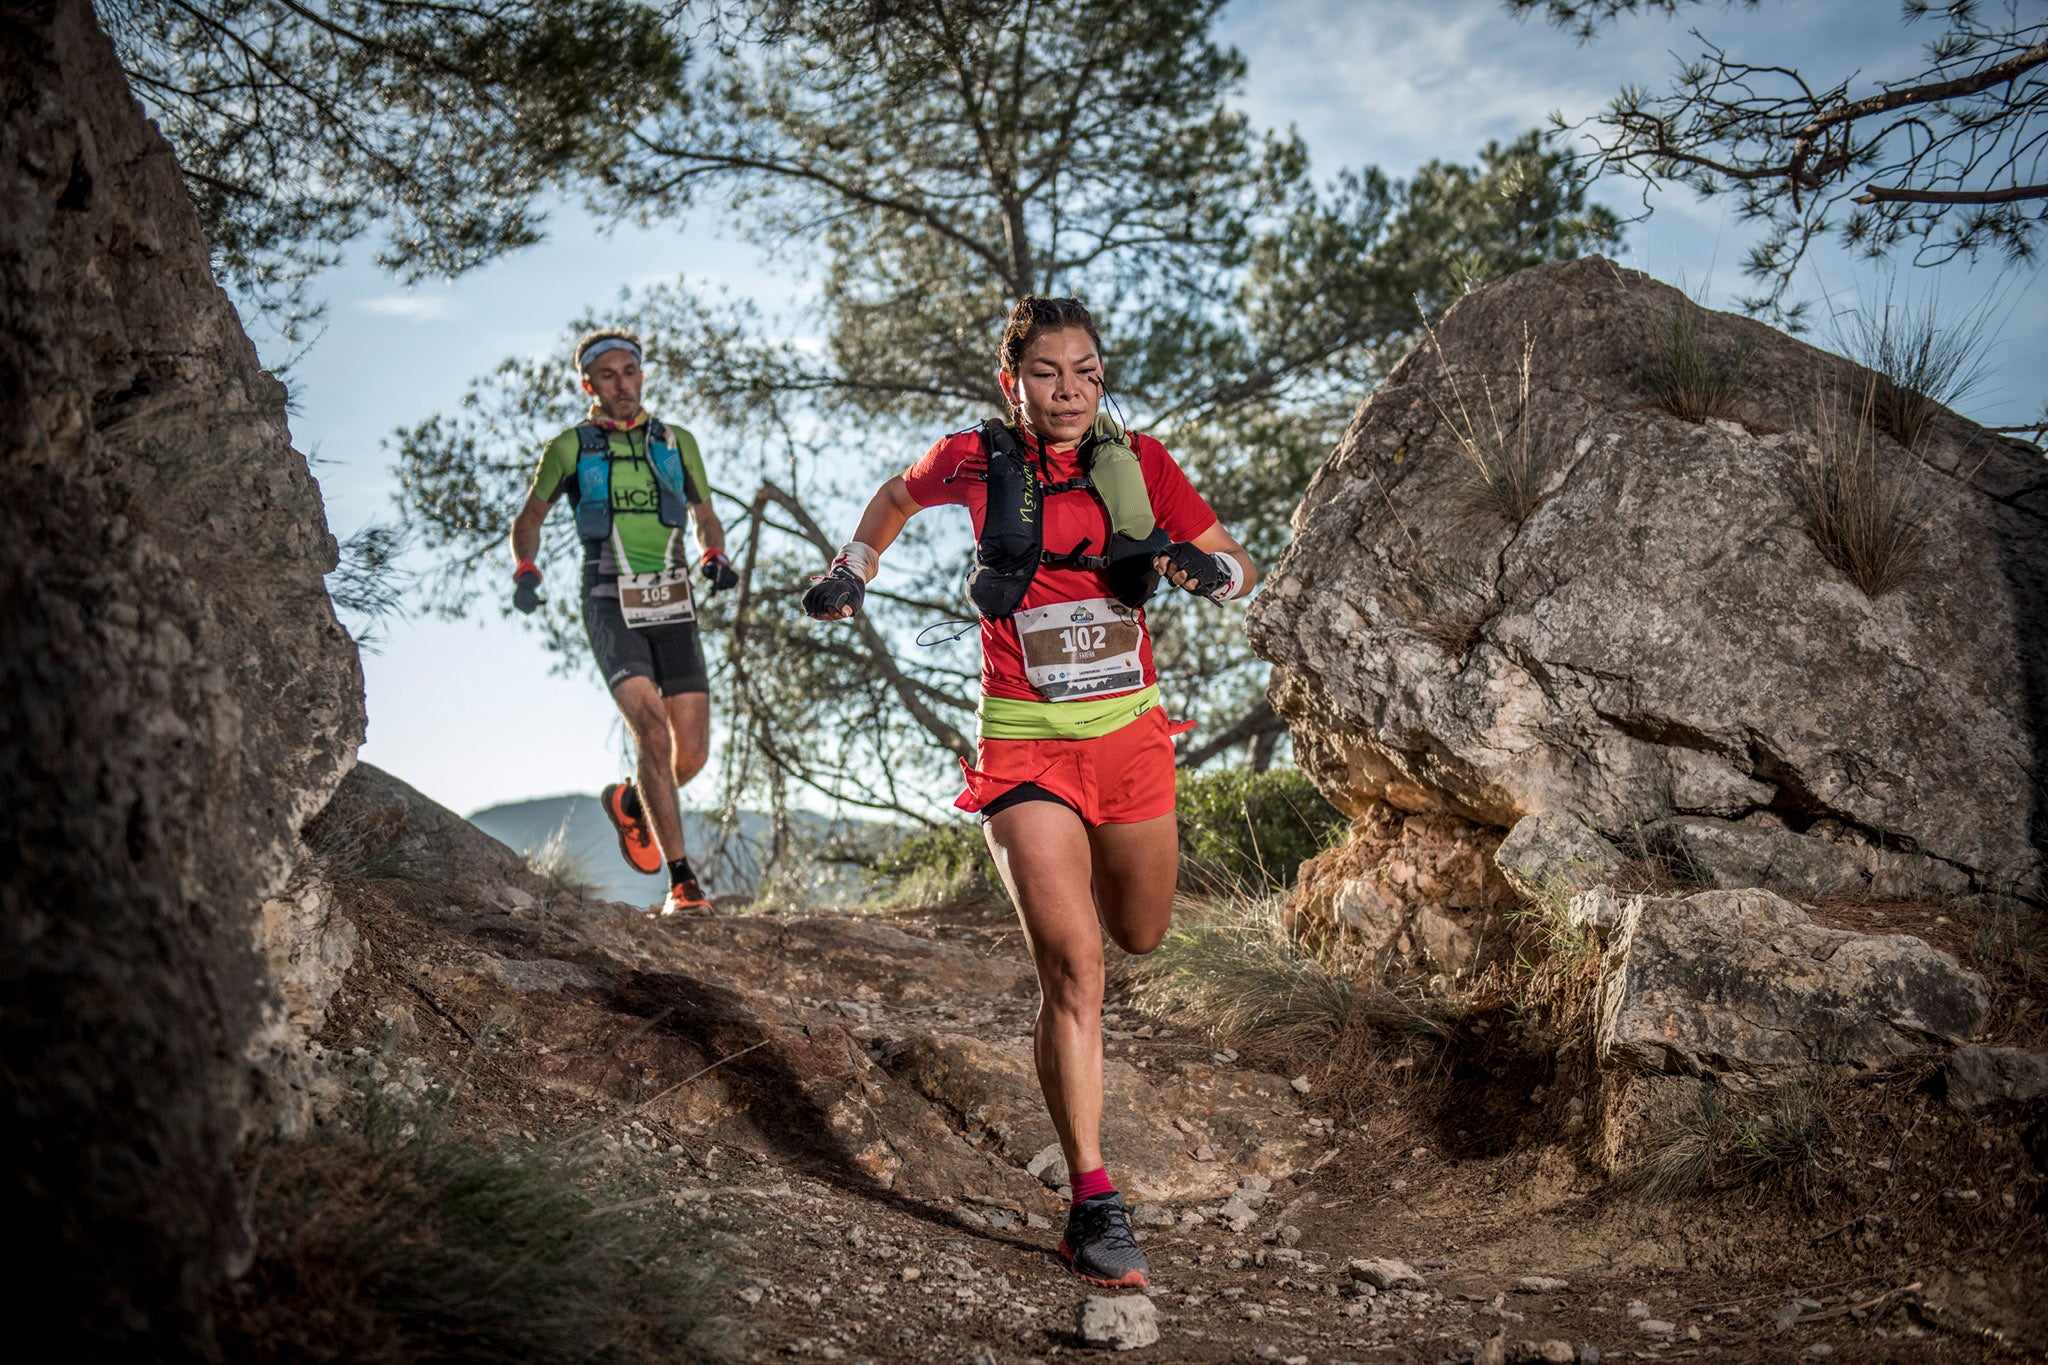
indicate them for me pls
(1116, 779)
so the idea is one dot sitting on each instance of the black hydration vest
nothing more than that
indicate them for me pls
(1012, 542)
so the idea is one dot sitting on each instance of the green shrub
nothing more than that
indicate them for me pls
(946, 865)
(1250, 831)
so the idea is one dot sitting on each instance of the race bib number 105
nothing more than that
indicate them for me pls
(1074, 650)
(656, 599)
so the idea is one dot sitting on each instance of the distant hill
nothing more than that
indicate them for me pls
(728, 860)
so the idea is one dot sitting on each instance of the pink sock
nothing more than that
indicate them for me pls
(1088, 1184)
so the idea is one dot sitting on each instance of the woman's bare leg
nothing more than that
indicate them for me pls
(1055, 869)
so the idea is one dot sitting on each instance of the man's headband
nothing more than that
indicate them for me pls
(603, 344)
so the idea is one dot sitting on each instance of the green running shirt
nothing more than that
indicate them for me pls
(639, 543)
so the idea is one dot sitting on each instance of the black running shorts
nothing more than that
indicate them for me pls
(670, 657)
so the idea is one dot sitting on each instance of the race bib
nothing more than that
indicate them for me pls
(1074, 650)
(656, 599)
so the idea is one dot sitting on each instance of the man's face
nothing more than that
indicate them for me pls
(614, 380)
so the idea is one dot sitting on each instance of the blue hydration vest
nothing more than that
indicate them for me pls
(594, 480)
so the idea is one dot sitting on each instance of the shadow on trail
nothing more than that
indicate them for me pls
(798, 1084)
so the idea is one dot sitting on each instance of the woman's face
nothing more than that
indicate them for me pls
(1058, 384)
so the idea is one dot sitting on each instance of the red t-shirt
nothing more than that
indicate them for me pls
(1069, 518)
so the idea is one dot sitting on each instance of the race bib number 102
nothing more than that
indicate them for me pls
(1074, 650)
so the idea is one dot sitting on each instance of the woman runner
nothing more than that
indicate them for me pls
(1074, 778)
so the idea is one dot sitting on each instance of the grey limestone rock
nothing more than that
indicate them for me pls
(1744, 983)
(1983, 1081)
(1552, 855)
(1123, 1321)
(179, 698)
(1660, 635)
(1385, 1272)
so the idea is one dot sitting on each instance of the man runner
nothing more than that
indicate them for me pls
(633, 481)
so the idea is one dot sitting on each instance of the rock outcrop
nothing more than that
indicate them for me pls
(1659, 638)
(885, 1060)
(1417, 892)
(178, 699)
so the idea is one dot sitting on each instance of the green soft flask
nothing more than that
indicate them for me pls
(1121, 482)
(1134, 534)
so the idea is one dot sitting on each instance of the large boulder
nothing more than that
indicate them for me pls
(178, 697)
(1659, 637)
(1744, 984)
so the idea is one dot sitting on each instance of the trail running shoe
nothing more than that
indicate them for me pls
(1099, 1247)
(636, 845)
(686, 898)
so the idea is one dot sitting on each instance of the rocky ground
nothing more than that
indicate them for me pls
(845, 1101)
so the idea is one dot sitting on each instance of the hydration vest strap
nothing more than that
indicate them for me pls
(593, 482)
(674, 488)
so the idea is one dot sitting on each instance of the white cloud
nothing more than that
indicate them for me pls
(409, 307)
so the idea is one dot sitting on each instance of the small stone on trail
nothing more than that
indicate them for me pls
(1492, 1351)
(1238, 1214)
(1262, 1183)
(1541, 1284)
(1819, 1348)
(1205, 1153)
(1300, 1084)
(1037, 1220)
(1386, 1273)
(1151, 1216)
(1049, 1167)
(1657, 1327)
(1290, 1235)
(1638, 1309)
(1125, 1321)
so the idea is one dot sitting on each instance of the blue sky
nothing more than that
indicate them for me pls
(471, 711)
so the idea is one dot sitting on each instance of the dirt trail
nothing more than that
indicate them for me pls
(839, 1096)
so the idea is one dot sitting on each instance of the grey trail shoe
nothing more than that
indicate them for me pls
(1099, 1247)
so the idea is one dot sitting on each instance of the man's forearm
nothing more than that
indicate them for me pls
(710, 531)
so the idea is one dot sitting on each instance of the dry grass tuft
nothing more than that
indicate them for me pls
(1230, 966)
(560, 867)
(397, 1244)
(1689, 375)
(1778, 1139)
(1505, 465)
(1442, 600)
(1445, 602)
(1867, 508)
(1918, 364)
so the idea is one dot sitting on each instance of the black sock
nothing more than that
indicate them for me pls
(629, 802)
(679, 871)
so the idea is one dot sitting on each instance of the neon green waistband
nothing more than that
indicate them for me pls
(1009, 718)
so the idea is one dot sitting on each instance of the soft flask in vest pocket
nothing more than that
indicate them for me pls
(1012, 537)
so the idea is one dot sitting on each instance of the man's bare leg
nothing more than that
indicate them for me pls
(647, 716)
(689, 728)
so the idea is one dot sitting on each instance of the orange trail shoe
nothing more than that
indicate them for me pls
(686, 897)
(636, 845)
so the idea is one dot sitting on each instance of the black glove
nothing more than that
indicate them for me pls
(1205, 576)
(719, 572)
(526, 590)
(840, 588)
